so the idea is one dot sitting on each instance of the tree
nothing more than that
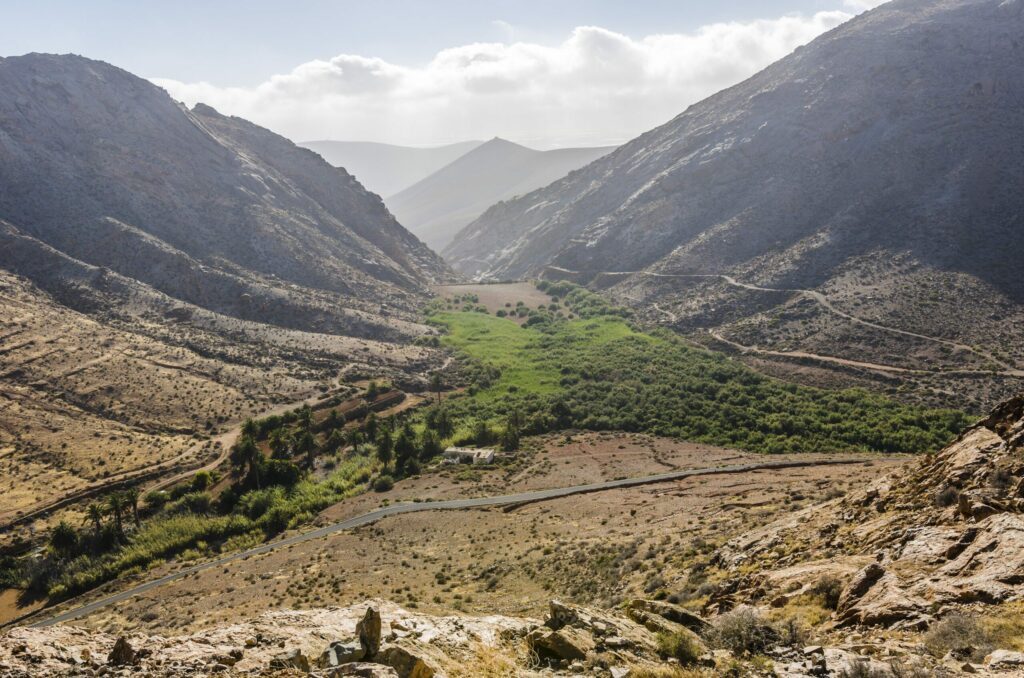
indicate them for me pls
(307, 446)
(384, 446)
(436, 385)
(372, 390)
(116, 504)
(280, 444)
(250, 429)
(94, 514)
(371, 426)
(405, 447)
(306, 417)
(482, 433)
(63, 538)
(245, 455)
(430, 445)
(131, 499)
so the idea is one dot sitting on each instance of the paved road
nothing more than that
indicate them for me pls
(450, 504)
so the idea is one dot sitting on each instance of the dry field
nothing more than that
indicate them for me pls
(498, 296)
(597, 547)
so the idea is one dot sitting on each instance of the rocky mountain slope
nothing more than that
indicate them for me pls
(165, 271)
(879, 164)
(387, 169)
(440, 205)
(936, 539)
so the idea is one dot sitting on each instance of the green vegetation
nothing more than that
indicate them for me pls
(599, 372)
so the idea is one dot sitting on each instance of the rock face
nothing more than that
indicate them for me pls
(105, 168)
(572, 640)
(368, 629)
(925, 554)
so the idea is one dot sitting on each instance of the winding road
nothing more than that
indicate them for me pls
(449, 504)
(823, 301)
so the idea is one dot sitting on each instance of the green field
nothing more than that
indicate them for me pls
(603, 373)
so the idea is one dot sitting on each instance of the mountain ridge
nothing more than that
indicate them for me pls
(387, 169)
(439, 205)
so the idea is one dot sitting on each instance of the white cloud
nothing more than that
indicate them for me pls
(861, 5)
(596, 87)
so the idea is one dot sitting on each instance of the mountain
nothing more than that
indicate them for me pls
(165, 272)
(386, 169)
(104, 168)
(440, 205)
(880, 165)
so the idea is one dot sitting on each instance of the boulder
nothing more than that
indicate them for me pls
(859, 585)
(567, 643)
(673, 613)
(290, 660)
(1005, 659)
(338, 653)
(122, 654)
(369, 630)
(405, 663)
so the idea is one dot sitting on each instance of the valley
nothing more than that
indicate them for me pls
(739, 395)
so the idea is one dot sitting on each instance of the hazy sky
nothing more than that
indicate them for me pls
(542, 72)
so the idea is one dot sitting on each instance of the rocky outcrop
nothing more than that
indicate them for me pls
(944, 531)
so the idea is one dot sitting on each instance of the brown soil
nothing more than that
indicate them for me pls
(511, 560)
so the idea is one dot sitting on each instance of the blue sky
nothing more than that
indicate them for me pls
(227, 52)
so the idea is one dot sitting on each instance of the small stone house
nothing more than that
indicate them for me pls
(468, 455)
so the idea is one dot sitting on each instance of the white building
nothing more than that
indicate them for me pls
(468, 455)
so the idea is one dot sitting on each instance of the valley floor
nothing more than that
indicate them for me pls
(594, 548)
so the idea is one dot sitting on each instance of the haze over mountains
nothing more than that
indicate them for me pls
(440, 205)
(386, 169)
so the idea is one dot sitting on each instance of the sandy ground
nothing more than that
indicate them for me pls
(590, 548)
(495, 297)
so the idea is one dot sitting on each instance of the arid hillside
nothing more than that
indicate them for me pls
(166, 272)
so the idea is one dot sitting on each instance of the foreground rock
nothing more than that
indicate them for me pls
(944, 533)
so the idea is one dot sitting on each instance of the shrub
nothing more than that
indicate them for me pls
(958, 634)
(683, 647)
(744, 631)
(383, 483)
(827, 590)
(947, 496)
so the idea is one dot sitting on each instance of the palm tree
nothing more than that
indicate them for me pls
(63, 538)
(131, 498)
(116, 504)
(94, 514)
(249, 429)
(246, 455)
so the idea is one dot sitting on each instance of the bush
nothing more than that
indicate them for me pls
(744, 631)
(827, 590)
(960, 635)
(383, 483)
(683, 647)
(947, 496)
